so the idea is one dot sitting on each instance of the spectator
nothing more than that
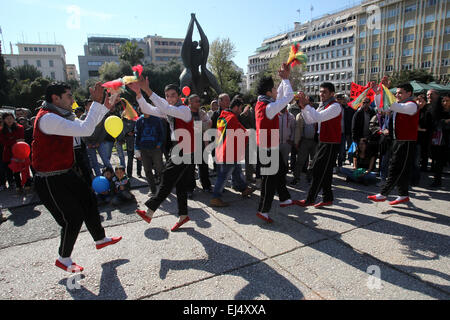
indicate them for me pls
(363, 164)
(305, 141)
(128, 138)
(11, 133)
(440, 117)
(214, 108)
(122, 191)
(199, 115)
(248, 120)
(423, 140)
(361, 121)
(287, 134)
(107, 196)
(148, 142)
(2, 166)
(379, 126)
(348, 114)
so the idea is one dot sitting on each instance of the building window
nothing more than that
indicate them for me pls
(391, 27)
(375, 57)
(429, 18)
(374, 70)
(52, 75)
(362, 34)
(393, 13)
(391, 41)
(362, 21)
(389, 68)
(431, 3)
(362, 59)
(95, 63)
(25, 62)
(410, 23)
(26, 48)
(376, 44)
(407, 66)
(93, 73)
(40, 49)
(362, 46)
(390, 55)
(50, 63)
(35, 49)
(426, 64)
(408, 52)
(446, 46)
(410, 8)
(445, 62)
(376, 31)
(430, 33)
(408, 38)
(361, 71)
(8, 63)
(38, 63)
(428, 49)
(447, 30)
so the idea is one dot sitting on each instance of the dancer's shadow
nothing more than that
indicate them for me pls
(20, 216)
(416, 241)
(110, 285)
(224, 260)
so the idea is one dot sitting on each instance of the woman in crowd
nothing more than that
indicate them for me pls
(363, 162)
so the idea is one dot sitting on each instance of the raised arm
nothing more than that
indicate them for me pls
(204, 43)
(187, 44)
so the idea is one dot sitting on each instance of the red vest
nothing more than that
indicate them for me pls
(51, 152)
(189, 126)
(262, 122)
(229, 121)
(406, 126)
(331, 130)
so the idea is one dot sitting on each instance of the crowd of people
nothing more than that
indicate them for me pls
(318, 139)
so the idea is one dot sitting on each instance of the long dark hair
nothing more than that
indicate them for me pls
(366, 152)
(5, 127)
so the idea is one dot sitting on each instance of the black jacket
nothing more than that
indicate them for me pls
(358, 124)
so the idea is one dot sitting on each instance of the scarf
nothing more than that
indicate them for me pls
(66, 114)
(265, 99)
(322, 105)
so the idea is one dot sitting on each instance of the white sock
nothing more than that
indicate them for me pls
(65, 261)
(401, 198)
(104, 240)
(380, 196)
(289, 201)
(266, 215)
(149, 213)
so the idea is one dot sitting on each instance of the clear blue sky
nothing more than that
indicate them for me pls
(245, 22)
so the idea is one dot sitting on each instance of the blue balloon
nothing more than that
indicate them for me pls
(100, 184)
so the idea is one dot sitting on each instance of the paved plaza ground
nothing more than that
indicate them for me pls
(352, 250)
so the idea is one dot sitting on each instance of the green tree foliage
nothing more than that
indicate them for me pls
(4, 85)
(160, 76)
(275, 64)
(25, 72)
(221, 53)
(420, 75)
(28, 93)
(131, 53)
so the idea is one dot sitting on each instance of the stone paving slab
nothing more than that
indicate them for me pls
(148, 260)
(335, 271)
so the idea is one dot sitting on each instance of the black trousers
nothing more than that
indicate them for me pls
(173, 175)
(71, 202)
(272, 184)
(322, 171)
(82, 164)
(402, 158)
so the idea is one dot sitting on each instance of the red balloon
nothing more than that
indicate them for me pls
(21, 150)
(186, 91)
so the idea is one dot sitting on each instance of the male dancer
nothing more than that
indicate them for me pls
(270, 103)
(179, 116)
(403, 126)
(328, 116)
(55, 180)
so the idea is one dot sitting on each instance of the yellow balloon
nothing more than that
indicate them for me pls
(114, 126)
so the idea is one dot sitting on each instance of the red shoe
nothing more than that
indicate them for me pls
(323, 204)
(374, 199)
(393, 203)
(179, 224)
(113, 241)
(293, 203)
(142, 214)
(269, 220)
(304, 204)
(74, 268)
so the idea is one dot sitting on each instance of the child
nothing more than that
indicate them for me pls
(105, 197)
(121, 187)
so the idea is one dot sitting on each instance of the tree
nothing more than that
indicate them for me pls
(160, 76)
(109, 71)
(27, 93)
(131, 53)
(275, 64)
(25, 72)
(405, 76)
(4, 85)
(222, 51)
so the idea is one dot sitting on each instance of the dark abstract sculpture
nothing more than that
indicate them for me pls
(195, 56)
